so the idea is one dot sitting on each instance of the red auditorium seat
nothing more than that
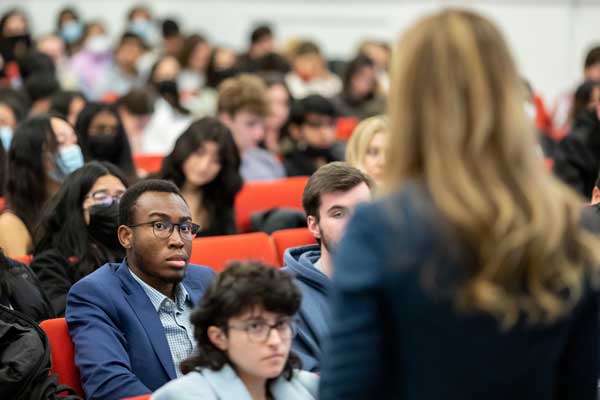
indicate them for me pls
(1, 203)
(286, 238)
(217, 251)
(260, 196)
(344, 127)
(149, 163)
(24, 259)
(62, 353)
(142, 397)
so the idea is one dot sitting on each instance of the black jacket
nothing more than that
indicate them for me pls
(21, 290)
(577, 156)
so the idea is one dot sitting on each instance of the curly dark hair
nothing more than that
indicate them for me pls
(218, 196)
(238, 289)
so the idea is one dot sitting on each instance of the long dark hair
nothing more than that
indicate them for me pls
(241, 287)
(353, 67)
(8, 98)
(218, 195)
(62, 226)
(27, 178)
(122, 158)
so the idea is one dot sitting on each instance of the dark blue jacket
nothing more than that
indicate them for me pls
(395, 333)
(120, 346)
(314, 315)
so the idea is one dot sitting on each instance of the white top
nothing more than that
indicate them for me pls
(164, 128)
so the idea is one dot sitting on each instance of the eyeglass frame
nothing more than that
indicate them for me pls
(114, 199)
(292, 323)
(171, 229)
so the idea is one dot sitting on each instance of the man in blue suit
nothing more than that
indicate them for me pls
(130, 322)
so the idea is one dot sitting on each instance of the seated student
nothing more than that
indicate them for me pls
(77, 233)
(102, 137)
(130, 321)
(12, 112)
(244, 328)
(366, 148)
(20, 290)
(43, 152)
(261, 44)
(243, 106)
(279, 110)
(360, 96)
(205, 166)
(329, 199)
(222, 64)
(311, 128)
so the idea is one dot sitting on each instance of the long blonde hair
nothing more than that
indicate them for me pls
(459, 127)
(357, 146)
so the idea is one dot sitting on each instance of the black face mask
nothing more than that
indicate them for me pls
(318, 152)
(103, 147)
(104, 225)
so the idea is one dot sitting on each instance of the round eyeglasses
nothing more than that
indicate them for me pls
(164, 229)
(259, 331)
(105, 198)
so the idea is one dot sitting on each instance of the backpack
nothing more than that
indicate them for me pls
(25, 361)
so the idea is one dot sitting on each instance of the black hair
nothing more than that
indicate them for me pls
(121, 158)
(7, 14)
(189, 45)
(353, 67)
(41, 86)
(170, 28)
(138, 101)
(273, 62)
(313, 104)
(214, 76)
(592, 57)
(62, 13)
(217, 196)
(133, 193)
(61, 101)
(10, 98)
(169, 92)
(26, 183)
(240, 288)
(138, 7)
(129, 35)
(582, 98)
(7, 280)
(62, 226)
(260, 32)
(35, 62)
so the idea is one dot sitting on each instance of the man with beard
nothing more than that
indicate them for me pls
(130, 322)
(311, 129)
(329, 200)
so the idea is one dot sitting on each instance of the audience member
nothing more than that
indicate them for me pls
(311, 128)
(43, 152)
(310, 74)
(20, 290)
(380, 53)
(54, 47)
(40, 88)
(68, 104)
(135, 109)
(204, 164)
(140, 21)
(12, 112)
(261, 44)
(243, 106)
(329, 200)
(130, 322)
(172, 38)
(70, 28)
(367, 146)
(193, 59)
(359, 97)
(244, 328)
(77, 232)
(478, 256)
(222, 64)
(279, 110)
(103, 138)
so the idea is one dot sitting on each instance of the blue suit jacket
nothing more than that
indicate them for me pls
(120, 346)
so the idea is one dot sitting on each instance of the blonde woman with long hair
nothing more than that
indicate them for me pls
(366, 148)
(473, 279)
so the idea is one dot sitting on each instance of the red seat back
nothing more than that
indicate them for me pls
(217, 251)
(142, 397)
(261, 196)
(1, 203)
(62, 352)
(344, 127)
(149, 163)
(24, 259)
(286, 238)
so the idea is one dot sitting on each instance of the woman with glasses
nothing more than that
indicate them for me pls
(78, 230)
(244, 329)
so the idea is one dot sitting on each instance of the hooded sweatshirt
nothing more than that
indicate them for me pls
(315, 314)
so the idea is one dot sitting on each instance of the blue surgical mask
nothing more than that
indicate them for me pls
(71, 31)
(68, 159)
(143, 28)
(6, 135)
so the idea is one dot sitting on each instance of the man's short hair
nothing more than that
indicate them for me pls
(260, 32)
(133, 193)
(333, 177)
(313, 104)
(243, 92)
(306, 47)
(592, 57)
(137, 101)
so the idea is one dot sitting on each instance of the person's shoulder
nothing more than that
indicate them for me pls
(202, 272)
(190, 386)
(104, 279)
(307, 381)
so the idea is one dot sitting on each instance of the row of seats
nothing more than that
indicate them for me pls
(212, 251)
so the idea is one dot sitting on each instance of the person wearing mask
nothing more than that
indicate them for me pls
(77, 233)
(43, 152)
(367, 147)
(279, 110)
(311, 130)
(244, 328)
(70, 28)
(141, 22)
(12, 112)
(15, 42)
(170, 118)
(204, 164)
(222, 64)
(243, 107)
(130, 321)
(359, 97)
(477, 257)
(136, 109)
(200, 99)
(20, 290)
(68, 103)
(329, 199)
(102, 137)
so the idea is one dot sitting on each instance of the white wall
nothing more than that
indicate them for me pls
(549, 37)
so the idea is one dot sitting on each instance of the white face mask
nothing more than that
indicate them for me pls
(98, 44)
(6, 135)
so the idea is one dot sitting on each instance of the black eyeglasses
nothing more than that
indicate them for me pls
(164, 229)
(259, 331)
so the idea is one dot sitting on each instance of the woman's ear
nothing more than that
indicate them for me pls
(218, 337)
